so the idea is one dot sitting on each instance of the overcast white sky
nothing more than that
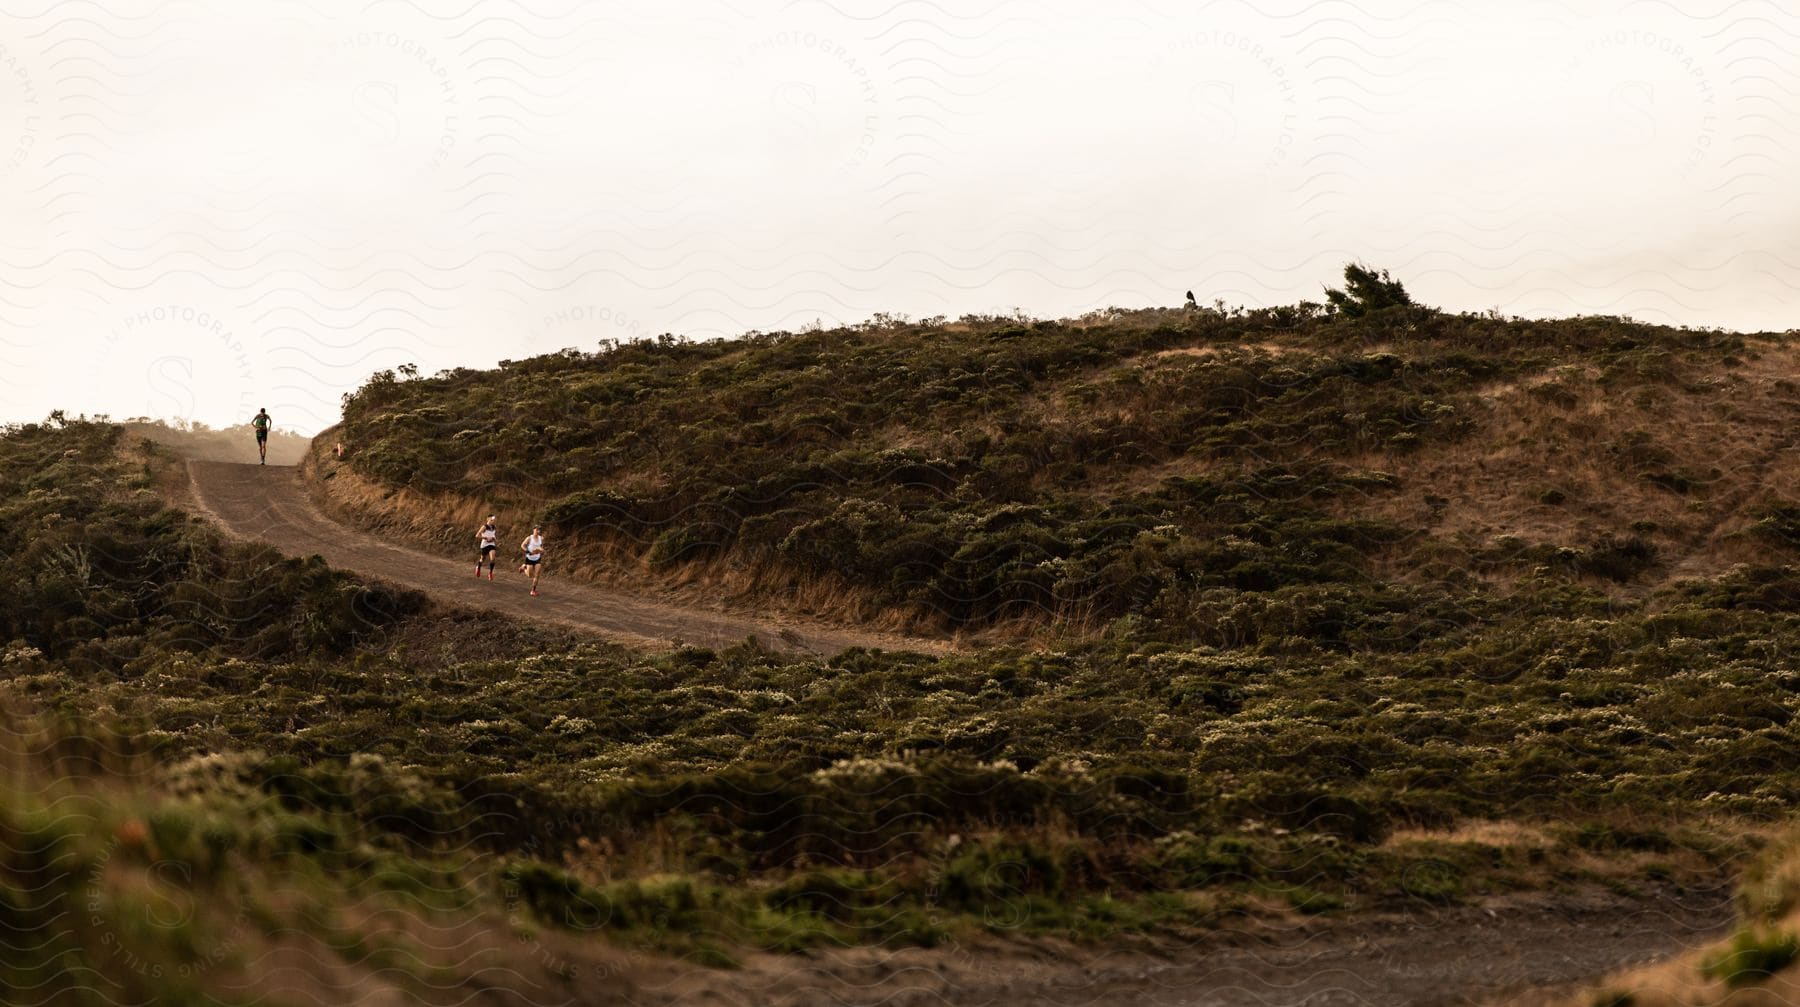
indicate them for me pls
(211, 207)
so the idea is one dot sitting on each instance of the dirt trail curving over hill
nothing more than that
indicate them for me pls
(269, 504)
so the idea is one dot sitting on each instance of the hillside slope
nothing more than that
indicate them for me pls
(1154, 465)
(268, 505)
(342, 774)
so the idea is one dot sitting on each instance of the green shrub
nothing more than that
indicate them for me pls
(839, 895)
(1191, 861)
(1607, 838)
(1311, 901)
(1432, 880)
(982, 875)
(1752, 957)
(558, 898)
(1366, 291)
(1618, 559)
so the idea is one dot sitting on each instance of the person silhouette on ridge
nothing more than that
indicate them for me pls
(261, 422)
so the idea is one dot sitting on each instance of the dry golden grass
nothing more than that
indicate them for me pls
(1681, 982)
(1732, 432)
(1767, 899)
(1486, 832)
(1272, 349)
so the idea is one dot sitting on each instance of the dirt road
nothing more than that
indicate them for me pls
(1527, 950)
(269, 504)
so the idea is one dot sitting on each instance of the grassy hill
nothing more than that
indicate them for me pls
(1169, 467)
(1309, 633)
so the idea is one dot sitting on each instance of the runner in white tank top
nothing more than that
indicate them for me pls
(533, 547)
(488, 535)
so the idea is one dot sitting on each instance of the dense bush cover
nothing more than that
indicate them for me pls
(1002, 468)
(1254, 701)
(1309, 708)
(102, 572)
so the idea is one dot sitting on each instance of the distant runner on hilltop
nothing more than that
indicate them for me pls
(261, 422)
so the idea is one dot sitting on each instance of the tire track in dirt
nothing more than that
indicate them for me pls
(269, 504)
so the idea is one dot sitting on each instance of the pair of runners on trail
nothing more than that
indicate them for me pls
(488, 535)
